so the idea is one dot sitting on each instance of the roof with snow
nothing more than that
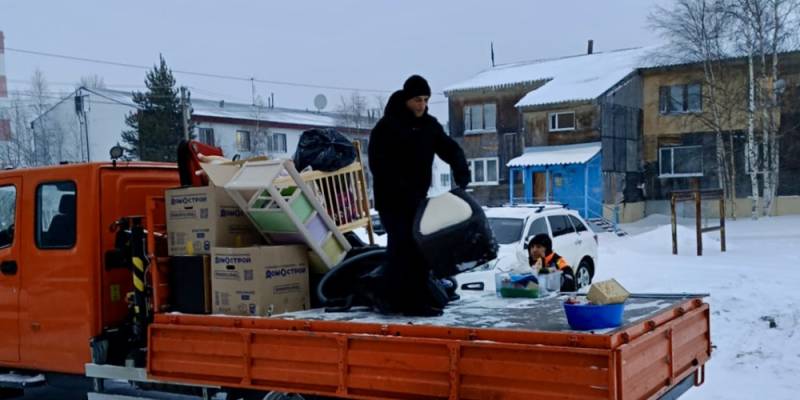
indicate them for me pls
(556, 155)
(573, 78)
(224, 109)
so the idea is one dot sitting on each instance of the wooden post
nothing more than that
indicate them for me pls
(674, 226)
(722, 223)
(698, 220)
(364, 193)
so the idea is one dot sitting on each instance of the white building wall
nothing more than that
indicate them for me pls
(225, 138)
(441, 172)
(106, 123)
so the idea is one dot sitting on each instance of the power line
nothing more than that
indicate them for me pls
(194, 73)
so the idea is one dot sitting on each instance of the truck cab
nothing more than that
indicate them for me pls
(56, 290)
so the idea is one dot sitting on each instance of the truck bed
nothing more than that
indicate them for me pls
(481, 348)
(485, 310)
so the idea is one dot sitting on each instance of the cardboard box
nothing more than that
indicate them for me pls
(607, 292)
(260, 280)
(200, 218)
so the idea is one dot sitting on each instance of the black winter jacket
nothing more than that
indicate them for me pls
(401, 150)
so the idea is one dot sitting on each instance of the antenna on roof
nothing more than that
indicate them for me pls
(491, 47)
(320, 102)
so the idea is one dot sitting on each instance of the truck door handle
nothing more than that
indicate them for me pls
(8, 267)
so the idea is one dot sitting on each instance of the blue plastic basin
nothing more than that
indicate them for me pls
(584, 317)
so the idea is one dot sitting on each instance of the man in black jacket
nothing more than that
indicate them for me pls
(401, 150)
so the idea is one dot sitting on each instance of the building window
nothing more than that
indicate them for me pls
(8, 214)
(562, 121)
(206, 135)
(445, 180)
(276, 143)
(680, 161)
(484, 171)
(679, 99)
(56, 215)
(479, 118)
(243, 141)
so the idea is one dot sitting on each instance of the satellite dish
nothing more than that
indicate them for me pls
(320, 101)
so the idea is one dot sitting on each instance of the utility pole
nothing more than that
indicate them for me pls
(184, 108)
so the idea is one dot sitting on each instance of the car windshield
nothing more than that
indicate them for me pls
(506, 230)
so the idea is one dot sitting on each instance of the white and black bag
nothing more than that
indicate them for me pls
(453, 233)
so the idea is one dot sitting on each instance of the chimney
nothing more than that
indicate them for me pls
(5, 124)
(590, 47)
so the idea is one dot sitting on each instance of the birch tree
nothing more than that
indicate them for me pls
(768, 28)
(696, 32)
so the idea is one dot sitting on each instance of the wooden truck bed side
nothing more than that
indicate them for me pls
(370, 361)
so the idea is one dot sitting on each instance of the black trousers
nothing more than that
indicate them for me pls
(406, 272)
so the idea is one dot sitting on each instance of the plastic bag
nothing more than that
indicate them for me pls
(324, 150)
(457, 242)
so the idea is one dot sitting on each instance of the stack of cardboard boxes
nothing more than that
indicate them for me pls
(206, 227)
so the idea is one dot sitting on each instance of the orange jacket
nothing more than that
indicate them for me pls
(553, 260)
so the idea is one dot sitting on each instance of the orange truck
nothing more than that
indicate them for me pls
(64, 309)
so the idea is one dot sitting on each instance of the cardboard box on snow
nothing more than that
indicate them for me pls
(200, 218)
(260, 280)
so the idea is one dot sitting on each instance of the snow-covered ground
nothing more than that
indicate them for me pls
(753, 283)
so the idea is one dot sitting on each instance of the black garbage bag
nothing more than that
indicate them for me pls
(324, 150)
(453, 233)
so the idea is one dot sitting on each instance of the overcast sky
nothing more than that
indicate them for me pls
(369, 45)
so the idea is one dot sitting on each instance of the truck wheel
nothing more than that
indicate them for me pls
(583, 275)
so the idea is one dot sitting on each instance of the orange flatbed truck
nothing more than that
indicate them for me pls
(63, 310)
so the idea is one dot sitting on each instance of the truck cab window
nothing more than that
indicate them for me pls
(56, 215)
(8, 207)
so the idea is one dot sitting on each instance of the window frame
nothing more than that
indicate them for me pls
(204, 130)
(575, 220)
(237, 140)
(568, 225)
(485, 181)
(444, 179)
(37, 231)
(547, 232)
(468, 129)
(672, 173)
(552, 121)
(665, 99)
(13, 214)
(272, 143)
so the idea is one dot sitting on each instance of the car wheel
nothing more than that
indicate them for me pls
(583, 274)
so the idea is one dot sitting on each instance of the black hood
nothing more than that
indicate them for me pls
(396, 108)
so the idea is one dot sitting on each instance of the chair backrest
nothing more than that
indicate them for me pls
(62, 228)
